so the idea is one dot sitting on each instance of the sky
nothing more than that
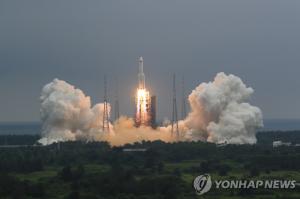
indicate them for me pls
(81, 41)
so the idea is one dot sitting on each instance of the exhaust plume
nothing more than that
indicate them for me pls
(219, 113)
(67, 114)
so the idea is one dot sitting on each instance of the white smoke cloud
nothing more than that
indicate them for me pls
(67, 114)
(219, 113)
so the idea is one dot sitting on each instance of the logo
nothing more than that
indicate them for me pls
(202, 184)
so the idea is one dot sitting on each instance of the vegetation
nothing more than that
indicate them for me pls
(96, 170)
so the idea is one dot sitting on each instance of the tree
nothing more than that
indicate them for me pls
(254, 171)
(177, 172)
(160, 167)
(66, 173)
(224, 169)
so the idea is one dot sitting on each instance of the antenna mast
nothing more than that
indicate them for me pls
(183, 106)
(117, 111)
(105, 111)
(175, 131)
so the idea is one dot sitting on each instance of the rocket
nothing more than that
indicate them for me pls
(141, 75)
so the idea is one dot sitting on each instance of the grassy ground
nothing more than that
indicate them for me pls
(38, 176)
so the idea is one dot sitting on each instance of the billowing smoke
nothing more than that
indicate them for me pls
(67, 114)
(219, 113)
(126, 132)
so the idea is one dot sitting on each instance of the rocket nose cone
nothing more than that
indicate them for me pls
(141, 59)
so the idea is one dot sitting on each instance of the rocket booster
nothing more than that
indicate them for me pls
(141, 75)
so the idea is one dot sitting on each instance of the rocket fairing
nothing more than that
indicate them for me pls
(141, 75)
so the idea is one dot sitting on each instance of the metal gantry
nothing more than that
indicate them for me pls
(175, 129)
(105, 121)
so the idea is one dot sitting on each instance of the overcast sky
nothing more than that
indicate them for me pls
(80, 41)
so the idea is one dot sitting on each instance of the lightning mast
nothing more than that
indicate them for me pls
(117, 112)
(105, 121)
(175, 130)
(183, 106)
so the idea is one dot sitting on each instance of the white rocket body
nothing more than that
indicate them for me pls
(141, 75)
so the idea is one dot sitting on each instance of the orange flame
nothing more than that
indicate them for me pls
(142, 107)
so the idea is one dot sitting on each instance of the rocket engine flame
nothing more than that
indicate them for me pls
(142, 107)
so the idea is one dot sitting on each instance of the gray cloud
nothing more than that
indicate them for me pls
(76, 40)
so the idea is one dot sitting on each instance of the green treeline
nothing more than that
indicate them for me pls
(97, 170)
